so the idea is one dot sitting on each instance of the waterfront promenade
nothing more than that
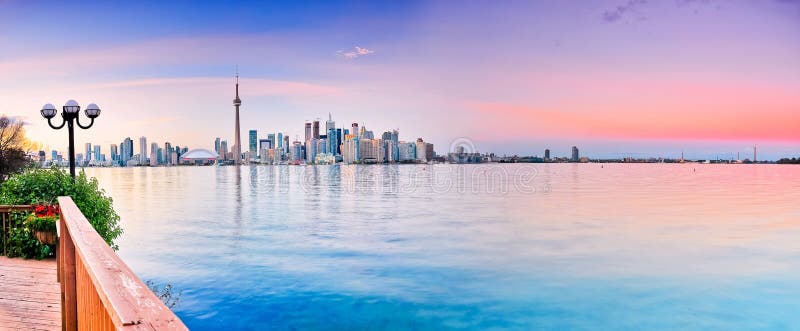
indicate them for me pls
(30, 296)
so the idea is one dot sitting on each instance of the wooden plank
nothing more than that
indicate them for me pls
(29, 295)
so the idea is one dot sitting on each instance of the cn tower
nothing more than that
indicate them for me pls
(237, 158)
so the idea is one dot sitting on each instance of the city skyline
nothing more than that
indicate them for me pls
(615, 78)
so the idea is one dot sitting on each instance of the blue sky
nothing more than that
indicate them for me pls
(613, 77)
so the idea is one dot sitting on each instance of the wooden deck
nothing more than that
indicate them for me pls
(30, 296)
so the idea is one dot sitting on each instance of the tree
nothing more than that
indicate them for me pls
(13, 146)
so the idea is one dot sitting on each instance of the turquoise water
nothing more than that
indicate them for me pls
(482, 247)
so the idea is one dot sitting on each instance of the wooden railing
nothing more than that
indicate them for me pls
(5, 215)
(98, 290)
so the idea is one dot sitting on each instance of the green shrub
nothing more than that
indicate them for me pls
(21, 239)
(45, 185)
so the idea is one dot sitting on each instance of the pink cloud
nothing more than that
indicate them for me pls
(355, 53)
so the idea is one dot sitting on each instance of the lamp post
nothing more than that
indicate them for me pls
(70, 114)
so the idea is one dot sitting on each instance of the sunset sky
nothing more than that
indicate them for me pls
(615, 78)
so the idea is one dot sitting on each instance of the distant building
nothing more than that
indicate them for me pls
(350, 149)
(199, 157)
(547, 155)
(297, 151)
(371, 150)
(253, 142)
(168, 153)
(407, 151)
(223, 147)
(576, 157)
(113, 150)
(88, 154)
(263, 145)
(316, 130)
(421, 150)
(309, 133)
(311, 150)
(142, 149)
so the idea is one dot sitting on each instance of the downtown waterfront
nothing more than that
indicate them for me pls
(489, 246)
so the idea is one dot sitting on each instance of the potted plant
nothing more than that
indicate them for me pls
(43, 223)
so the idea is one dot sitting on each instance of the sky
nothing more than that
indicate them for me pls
(617, 78)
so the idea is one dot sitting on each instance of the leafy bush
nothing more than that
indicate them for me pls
(21, 239)
(45, 185)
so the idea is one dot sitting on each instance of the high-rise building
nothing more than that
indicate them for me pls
(547, 154)
(350, 149)
(429, 153)
(216, 145)
(168, 153)
(338, 145)
(371, 150)
(264, 145)
(407, 151)
(253, 142)
(333, 141)
(88, 152)
(142, 149)
(97, 153)
(126, 151)
(54, 155)
(237, 154)
(114, 153)
(311, 150)
(316, 129)
(280, 141)
(354, 129)
(286, 142)
(297, 151)
(330, 124)
(420, 148)
(223, 147)
(154, 152)
(272, 143)
(576, 157)
(309, 132)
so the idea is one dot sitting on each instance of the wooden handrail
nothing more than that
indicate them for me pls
(98, 290)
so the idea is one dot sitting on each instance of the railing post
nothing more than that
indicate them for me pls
(66, 260)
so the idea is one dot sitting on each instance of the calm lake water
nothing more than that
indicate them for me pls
(521, 246)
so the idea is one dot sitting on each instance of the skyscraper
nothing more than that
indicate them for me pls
(88, 152)
(575, 155)
(114, 153)
(316, 129)
(223, 148)
(546, 154)
(142, 149)
(168, 150)
(421, 150)
(309, 133)
(237, 153)
(126, 151)
(216, 145)
(97, 153)
(253, 142)
(154, 154)
(280, 141)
